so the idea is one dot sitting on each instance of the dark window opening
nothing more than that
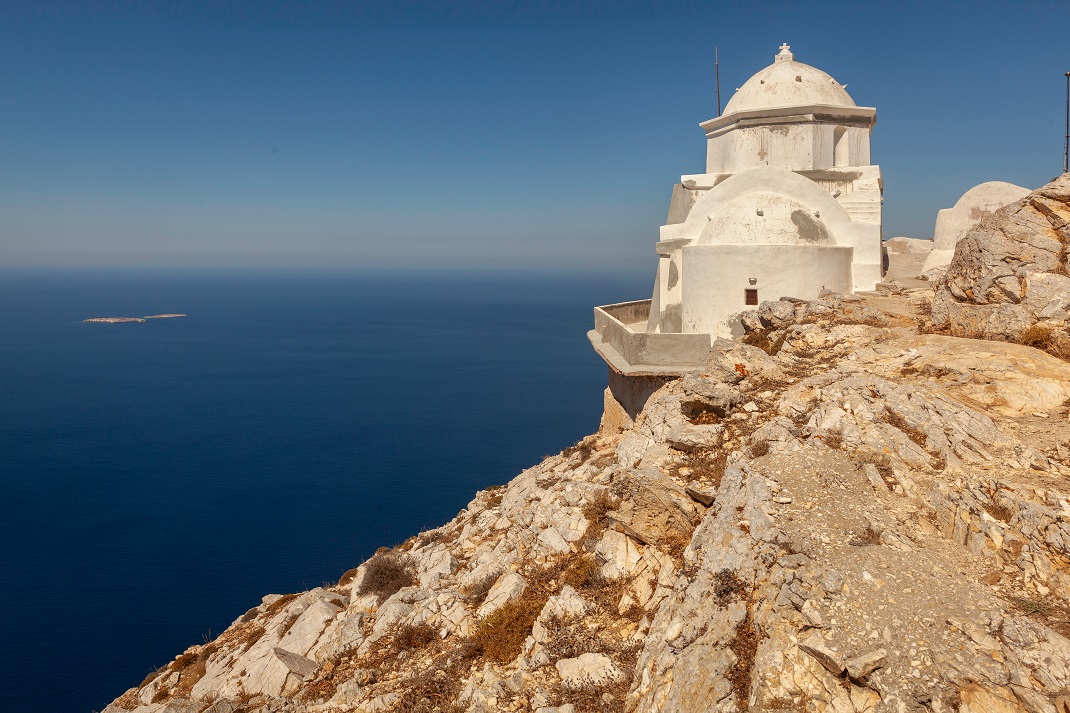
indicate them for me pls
(752, 297)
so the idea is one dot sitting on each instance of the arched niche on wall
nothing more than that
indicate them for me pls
(840, 152)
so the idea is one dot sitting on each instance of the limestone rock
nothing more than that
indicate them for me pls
(300, 666)
(505, 590)
(701, 393)
(587, 669)
(816, 647)
(653, 509)
(774, 315)
(1010, 269)
(860, 666)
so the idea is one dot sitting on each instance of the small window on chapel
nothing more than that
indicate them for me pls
(752, 297)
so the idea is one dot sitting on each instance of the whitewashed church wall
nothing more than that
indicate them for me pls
(716, 277)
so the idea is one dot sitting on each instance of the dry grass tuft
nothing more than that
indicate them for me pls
(603, 697)
(348, 576)
(495, 495)
(501, 635)
(415, 636)
(583, 448)
(706, 466)
(386, 573)
(596, 512)
(279, 604)
(584, 574)
(476, 591)
(191, 666)
(998, 511)
(435, 689)
(250, 637)
(674, 545)
(1053, 614)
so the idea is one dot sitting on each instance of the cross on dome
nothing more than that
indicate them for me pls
(785, 53)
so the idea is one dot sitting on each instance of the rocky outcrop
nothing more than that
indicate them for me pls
(1009, 278)
(842, 515)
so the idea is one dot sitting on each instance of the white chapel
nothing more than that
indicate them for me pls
(789, 205)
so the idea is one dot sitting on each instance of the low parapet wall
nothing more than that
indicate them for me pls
(620, 337)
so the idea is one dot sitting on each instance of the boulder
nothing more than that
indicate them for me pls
(1010, 269)
(704, 394)
(505, 590)
(588, 669)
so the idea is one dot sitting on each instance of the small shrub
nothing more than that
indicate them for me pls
(674, 545)
(1038, 336)
(415, 636)
(602, 697)
(727, 586)
(570, 638)
(706, 466)
(386, 573)
(428, 692)
(1031, 606)
(501, 635)
(192, 666)
(495, 497)
(865, 538)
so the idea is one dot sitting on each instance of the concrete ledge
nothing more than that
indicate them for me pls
(620, 337)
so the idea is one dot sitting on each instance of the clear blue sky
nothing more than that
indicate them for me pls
(458, 134)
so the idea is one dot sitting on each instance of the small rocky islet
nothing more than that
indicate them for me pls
(123, 320)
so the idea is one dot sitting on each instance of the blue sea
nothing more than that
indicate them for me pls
(158, 478)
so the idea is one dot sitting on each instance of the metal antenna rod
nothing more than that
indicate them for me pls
(717, 75)
(1066, 144)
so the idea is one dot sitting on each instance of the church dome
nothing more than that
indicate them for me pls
(787, 83)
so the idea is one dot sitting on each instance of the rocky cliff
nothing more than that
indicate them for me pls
(845, 513)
